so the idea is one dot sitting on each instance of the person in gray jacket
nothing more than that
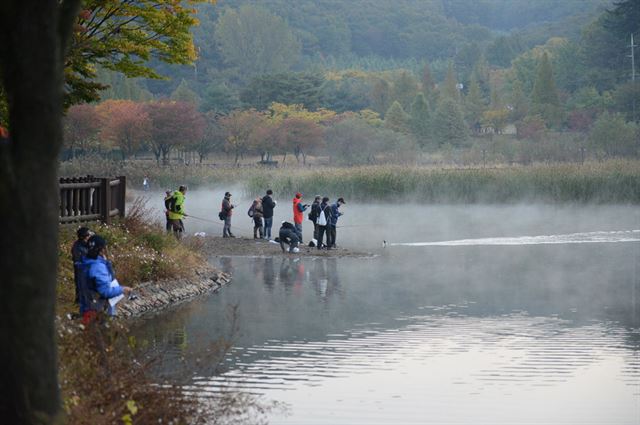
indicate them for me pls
(227, 211)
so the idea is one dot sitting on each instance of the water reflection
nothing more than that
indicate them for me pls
(444, 334)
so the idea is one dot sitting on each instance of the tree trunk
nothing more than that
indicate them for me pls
(32, 33)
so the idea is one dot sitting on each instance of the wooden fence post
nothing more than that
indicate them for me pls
(122, 191)
(105, 200)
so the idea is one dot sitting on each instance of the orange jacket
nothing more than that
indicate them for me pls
(297, 214)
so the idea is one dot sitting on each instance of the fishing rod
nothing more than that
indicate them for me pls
(238, 230)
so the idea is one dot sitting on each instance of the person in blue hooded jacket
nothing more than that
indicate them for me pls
(99, 283)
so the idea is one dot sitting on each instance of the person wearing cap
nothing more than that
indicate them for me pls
(79, 251)
(176, 211)
(168, 196)
(288, 234)
(98, 284)
(227, 211)
(268, 204)
(313, 215)
(332, 224)
(298, 209)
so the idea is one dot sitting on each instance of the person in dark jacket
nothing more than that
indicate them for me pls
(288, 235)
(227, 211)
(324, 218)
(333, 223)
(268, 204)
(168, 195)
(98, 284)
(313, 215)
(79, 251)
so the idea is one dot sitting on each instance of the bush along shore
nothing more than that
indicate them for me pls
(106, 375)
(611, 181)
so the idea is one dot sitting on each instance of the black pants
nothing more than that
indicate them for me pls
(331, 236)
(257, 227)
(321, 231)
(288, 236)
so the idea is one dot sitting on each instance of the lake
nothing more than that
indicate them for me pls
(513, 314)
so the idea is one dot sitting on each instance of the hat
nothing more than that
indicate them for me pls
(227, 194)
(83, 232)
(168, 192)
(298, 195)
(97, 242)
(341, 200)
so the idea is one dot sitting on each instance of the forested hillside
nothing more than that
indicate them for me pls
(511, 80)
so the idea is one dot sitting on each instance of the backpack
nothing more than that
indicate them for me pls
(322, 220)
(313, 215)
(170, 203)
(222, 215)
(252, 210)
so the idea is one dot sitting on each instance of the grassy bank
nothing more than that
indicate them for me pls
(104, 373)
(613, 181)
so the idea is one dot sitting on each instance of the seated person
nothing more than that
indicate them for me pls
(289, 236)
(98, 284)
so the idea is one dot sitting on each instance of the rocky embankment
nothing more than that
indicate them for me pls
(151, 297)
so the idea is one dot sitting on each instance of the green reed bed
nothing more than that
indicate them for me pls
(608, 182)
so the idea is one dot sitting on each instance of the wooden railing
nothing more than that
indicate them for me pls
(91, 199)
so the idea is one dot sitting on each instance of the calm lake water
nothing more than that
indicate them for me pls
(470, 315)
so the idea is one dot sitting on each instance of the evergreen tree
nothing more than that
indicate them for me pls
(544, 88)
(405, 87)
(420, 119)
(219, 98)
(183, 93)
(474, 104)
(518, 100)
(451, 84)
(544, 97)
(396, 118)
(448, 123)
(380, 96)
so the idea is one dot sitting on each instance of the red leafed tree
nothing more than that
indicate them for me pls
(300, 136)
(126, 124)
(81, 126)
(173, 124)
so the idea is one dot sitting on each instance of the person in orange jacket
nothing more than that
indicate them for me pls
(298, 209)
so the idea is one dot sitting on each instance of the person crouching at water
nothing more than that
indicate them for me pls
(289, 235)
(298, 209)
(255, 212)
(227, 211)
(99, 289)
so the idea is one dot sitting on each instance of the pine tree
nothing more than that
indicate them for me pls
(451, 84)
(184, 93)
(448, 123)
(396, 118)
(420, 120)
(544, 97)
(519, 104)
(474, 104)
(380, 96)
(544, 88)
(405, 88)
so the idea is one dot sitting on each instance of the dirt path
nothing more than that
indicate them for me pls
(240, 246)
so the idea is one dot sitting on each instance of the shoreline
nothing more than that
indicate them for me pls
(241, 246)
(156, 296)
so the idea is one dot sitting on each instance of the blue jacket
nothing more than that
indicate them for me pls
(334, 214)
(96, 286)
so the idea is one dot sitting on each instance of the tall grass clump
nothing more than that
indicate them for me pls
(605, 182)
